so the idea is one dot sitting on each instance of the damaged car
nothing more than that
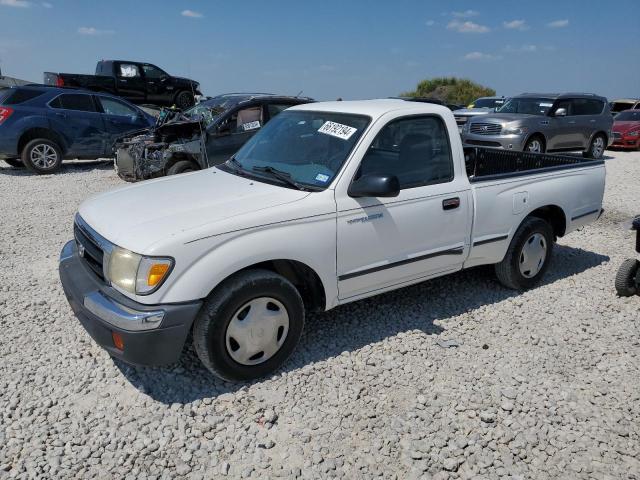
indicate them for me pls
(203, 136)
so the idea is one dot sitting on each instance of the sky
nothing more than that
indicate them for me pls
(349, 49)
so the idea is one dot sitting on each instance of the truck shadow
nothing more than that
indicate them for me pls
(353, 326)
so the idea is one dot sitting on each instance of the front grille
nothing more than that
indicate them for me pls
(480, 128)
(92, 253)
(483, 143)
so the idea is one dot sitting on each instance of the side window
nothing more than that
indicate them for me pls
(114, 107)
(128, 70)
(580, 106)
(594, 107)
(246, 120)
(72, 101)
(566, 104)
(152, 72)
(416, 150)
(274, 109)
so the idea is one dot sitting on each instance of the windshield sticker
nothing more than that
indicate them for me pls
(251, 125)
(337, 130)
(321, 177)
(546, 104)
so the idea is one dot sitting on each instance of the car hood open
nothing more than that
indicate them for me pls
(205, 203)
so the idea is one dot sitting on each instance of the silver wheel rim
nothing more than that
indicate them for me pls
(257, 331)
(598, 147)
(533, 255)
(535, 146)
(43, 156)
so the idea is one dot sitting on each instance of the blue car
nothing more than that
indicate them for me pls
(40, 126)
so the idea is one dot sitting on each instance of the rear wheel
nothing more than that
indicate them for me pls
(42, 156)
(14, 162)
(534, 145)
(249, 325)
(528, 256)
(596, 148)
(184, 100)
(182, 166)
(627, 278)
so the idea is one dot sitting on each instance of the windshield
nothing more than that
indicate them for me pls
(527, 105)
(620, 106)
(631, 116)
(308, 147)
(209, 110)
(487, 103)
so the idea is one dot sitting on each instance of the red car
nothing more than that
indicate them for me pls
(626, 130)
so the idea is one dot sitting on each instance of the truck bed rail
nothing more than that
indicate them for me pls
(485, 164)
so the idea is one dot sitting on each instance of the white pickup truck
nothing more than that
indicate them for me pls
(329, 203)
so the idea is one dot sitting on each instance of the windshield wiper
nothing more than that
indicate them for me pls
(236, 165)
(282, 176)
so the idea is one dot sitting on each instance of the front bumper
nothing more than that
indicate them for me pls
(152, 335)
(506, 142)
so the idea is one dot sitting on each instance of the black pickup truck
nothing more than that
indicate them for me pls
(138, 82)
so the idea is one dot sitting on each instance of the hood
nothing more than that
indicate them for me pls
(180, 128)
(188, 205)
(626, 126)
(185, 80)
(472, 111)
(506, 117)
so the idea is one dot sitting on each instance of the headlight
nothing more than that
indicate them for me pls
(135, 273)
(515, 130)
(635, 133)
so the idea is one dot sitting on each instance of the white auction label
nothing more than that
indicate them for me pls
(251, 125)
(337, 130)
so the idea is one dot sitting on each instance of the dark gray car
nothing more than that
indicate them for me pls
(545, 123)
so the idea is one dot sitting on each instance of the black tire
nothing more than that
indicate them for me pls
(42, 144)
(14, 162)
(185, 100)
(532, 142)
(627, 278)
(182, 166)
(223, 305)
(596, 151)
(509, 271)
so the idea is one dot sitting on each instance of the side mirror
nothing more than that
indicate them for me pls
(560, 112)
(375, 185)
(163, 78)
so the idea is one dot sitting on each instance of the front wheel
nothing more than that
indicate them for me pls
(627, 278)
(534, 145)
(185, 100)
(42, 156)
(249, 325)
(596, 148)
(181, 166)
(527, 258)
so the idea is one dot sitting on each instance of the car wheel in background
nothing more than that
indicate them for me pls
(528, 255)
(534, 145)
(249, 325)
(596, 148)
(14, 162)
(182, 166)
(627, 278)
(42, 156)
(184, 100)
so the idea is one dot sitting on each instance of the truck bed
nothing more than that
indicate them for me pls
(485, 164)
(100, 83)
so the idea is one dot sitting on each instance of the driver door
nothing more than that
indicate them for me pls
(384, 242)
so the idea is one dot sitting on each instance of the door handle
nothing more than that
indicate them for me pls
(60, 114)
(451, 203)
(571, 122)
(592, 121)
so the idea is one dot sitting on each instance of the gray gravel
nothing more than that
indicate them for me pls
(539, 385)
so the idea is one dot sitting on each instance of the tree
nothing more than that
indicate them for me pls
(451, 90)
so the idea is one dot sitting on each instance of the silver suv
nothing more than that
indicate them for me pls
(545, 123)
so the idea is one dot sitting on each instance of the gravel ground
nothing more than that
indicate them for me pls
(540, 385)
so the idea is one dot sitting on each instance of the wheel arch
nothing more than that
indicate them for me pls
(553, 215)
(536, 134)
(599, 132)
(40, 132)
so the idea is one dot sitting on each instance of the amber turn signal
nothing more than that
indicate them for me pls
(157, 273)
(117, 340)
